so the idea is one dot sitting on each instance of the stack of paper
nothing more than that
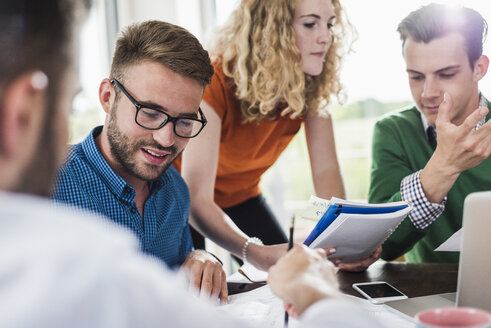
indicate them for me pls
(355, 229)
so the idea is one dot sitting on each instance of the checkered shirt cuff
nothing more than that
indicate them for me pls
(424, 212)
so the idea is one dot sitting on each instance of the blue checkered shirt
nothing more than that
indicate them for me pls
(87, 181)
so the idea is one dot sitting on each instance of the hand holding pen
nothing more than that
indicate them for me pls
(302, 277)
(290, 245)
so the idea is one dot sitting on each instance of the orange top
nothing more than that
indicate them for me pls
(246, 150)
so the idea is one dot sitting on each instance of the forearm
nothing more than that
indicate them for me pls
(413, 228)
(329, 183)
(390, 167)
(402, 240)
(326, 173)
(406, 234)
(437, 180)
(210, 220)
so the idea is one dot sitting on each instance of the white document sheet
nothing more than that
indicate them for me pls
(452, 244)
(315, 210)
(263, 309)
(260, 307)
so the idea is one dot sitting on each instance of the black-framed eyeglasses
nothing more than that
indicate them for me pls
(154, 119)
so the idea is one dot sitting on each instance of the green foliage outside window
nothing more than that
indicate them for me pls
(353, 128)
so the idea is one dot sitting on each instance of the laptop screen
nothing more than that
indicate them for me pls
(474, 282)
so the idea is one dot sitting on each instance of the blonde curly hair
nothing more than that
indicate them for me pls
(257, 50)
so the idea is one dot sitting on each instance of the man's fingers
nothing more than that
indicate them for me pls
(224, 291)
(335, 260)
(195, 273)
(443, 116)
(206, 280)
(472, 120)
(353, 267)
(363, 264)
(217, 280)
(328, 251)
(377, 253)
(290, 309)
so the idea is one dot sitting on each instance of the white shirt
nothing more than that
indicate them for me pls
(60, 269)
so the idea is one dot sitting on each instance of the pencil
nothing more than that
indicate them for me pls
(290, 245)
(290, 240)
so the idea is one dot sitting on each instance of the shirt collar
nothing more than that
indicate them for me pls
(483, 102)
(116, 184)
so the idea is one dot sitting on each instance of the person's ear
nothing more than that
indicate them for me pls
(106, 94)
(480, 67)
(22, 109)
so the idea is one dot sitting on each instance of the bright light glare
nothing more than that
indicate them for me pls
(376, 69)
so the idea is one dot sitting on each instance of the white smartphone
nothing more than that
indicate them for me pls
(378, 291)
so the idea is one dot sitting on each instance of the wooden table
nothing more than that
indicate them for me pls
(413, 279)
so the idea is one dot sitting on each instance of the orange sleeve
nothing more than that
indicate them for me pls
(216, 93)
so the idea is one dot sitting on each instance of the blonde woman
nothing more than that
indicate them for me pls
(276, 67)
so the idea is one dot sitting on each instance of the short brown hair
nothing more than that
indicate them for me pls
(38, 35)
(164, 43)
(437, 20)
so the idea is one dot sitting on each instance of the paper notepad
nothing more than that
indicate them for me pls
(355, 229)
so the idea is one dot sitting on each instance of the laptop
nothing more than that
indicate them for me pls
(474, 277)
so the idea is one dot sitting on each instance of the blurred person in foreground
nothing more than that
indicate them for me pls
(61, 269)
(435, 153)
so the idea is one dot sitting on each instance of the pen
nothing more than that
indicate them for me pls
(245, 275)
(290, 245)
(290, 240)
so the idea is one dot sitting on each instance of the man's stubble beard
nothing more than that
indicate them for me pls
(123, 150)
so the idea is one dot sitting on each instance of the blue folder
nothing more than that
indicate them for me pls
(334, 210)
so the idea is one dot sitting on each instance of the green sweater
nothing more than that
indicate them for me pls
(400, 148)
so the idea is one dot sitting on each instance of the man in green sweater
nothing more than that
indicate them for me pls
(442, 48)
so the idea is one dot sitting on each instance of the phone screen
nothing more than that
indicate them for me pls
(379, 290)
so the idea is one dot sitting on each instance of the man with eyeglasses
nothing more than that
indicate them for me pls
(123, 169)
(60, 269)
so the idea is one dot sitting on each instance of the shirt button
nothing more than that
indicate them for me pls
(133, 210)
(127, 189)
